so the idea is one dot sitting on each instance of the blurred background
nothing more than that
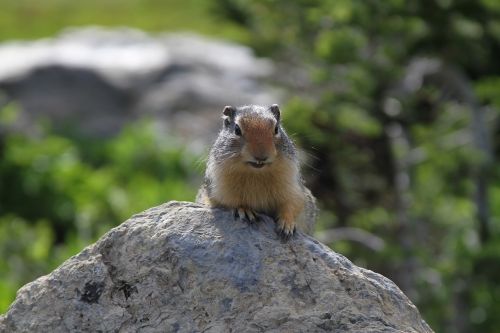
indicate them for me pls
(108, 107)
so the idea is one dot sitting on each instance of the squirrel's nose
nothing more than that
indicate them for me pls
(260, 158)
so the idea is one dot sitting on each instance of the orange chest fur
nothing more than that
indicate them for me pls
(265, 191)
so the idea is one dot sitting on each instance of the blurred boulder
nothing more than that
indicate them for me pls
(181, 267)
(92, 81)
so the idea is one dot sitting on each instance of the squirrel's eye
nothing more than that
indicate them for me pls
(276, 129)
(237, 130)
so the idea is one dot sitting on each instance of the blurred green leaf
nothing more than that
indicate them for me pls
(341, 45)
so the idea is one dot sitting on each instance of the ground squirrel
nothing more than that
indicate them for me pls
(253, 169)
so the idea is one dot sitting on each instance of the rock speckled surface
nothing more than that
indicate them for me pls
(181, 267)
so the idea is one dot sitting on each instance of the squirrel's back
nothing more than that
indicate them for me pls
(253, 168)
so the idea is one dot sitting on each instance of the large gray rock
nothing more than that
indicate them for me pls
(181, 267)
(92, 81)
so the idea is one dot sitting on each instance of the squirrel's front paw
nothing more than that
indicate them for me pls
(285, 229)
(246, 215)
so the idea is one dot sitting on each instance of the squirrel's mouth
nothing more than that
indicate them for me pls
(256, 165)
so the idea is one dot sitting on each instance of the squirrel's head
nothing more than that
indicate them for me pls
(253, 133)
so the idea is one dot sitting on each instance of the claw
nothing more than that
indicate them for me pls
(246, 215)
(241, 214)
(285, 230)
(258, 218)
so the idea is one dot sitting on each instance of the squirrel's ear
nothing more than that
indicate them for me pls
(229, 111)
(275, 109)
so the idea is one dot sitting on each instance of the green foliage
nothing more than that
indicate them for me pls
(54, 201)
(22, 19)
(487, 89)
(399, 160)
(340, 46)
